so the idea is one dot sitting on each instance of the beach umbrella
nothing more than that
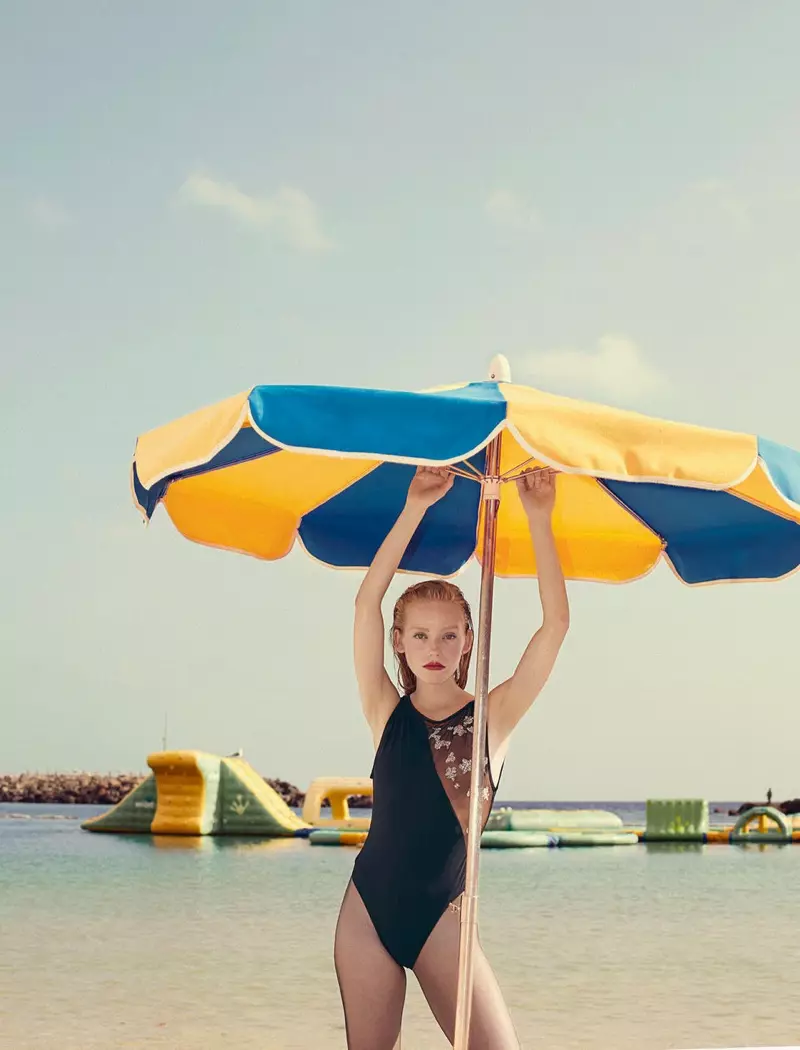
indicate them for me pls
(329, 468)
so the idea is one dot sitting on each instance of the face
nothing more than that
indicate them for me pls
(434, 638)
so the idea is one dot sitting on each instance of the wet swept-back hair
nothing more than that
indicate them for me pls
(437, 591)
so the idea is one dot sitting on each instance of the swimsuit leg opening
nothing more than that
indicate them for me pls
(371, 984)
(436, 970)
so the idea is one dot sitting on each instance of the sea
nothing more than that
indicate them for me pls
(110, 942)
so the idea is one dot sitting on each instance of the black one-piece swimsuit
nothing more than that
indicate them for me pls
(413, 863)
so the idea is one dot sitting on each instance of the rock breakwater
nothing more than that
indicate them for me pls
(789, 808)
(88, 788)
(104, 789)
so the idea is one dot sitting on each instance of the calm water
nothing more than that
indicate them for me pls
(109, 942)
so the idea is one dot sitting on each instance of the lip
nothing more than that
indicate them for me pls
(434, 667)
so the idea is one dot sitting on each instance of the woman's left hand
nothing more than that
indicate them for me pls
(537, 490)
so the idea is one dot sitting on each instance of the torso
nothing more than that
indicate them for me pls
(413, 863)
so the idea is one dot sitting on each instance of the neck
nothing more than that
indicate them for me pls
(441, 699)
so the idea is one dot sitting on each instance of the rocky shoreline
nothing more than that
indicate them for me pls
(789, 808)
(106, 789)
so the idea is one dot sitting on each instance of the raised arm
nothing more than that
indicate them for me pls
(509, 701)
(378, 694)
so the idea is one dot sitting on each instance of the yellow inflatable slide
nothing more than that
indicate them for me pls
(195, 793)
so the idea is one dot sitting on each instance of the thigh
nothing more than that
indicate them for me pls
(372, 984)
(436, 969)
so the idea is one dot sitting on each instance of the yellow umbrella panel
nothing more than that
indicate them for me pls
(331, 465)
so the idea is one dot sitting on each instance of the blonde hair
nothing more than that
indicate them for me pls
(437, 591)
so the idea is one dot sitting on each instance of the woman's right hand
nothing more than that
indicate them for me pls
(428, 486)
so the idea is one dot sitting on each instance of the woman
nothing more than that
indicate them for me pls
(401, 908)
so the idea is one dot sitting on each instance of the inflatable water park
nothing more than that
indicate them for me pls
(194, 793)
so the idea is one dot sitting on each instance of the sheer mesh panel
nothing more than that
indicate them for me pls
(451, 747)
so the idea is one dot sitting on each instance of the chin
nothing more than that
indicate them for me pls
(434, 677)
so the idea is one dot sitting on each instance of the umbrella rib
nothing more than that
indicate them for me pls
(621, 503)
(471, 475)
(510, 475)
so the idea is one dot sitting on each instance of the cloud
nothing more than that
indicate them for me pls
(616, 369)
(290, 212)
(509, 210)
(49, 214)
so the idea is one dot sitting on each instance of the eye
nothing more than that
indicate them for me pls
(419, 634)
(451, 636)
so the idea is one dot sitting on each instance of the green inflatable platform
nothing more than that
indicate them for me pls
(195, 793)
(133, 814)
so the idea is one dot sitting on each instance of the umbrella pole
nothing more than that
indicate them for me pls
(469, 903)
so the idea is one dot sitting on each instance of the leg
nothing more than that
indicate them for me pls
(436, 969)
(372, 984)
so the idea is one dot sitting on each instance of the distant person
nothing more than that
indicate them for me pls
(401, 910)
(769, 796)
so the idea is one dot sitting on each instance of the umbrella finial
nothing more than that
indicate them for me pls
(500, 369)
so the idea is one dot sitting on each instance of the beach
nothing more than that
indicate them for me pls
(119, 941)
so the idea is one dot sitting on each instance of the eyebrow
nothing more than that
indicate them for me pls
(419, 627)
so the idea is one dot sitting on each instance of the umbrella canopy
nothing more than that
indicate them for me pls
(331, 466)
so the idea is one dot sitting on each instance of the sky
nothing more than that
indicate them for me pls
(197, 200)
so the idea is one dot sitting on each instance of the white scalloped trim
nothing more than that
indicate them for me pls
(190, 464)
(398, 572)
(663, 556)
(789, 502)
(498, 429)
(657, 480)
(738, 579)
(407, 460)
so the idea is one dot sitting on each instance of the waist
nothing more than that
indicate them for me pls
(412, 864)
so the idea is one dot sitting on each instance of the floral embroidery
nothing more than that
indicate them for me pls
(455, 738)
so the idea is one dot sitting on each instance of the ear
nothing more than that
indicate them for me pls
(468, 643)
(397, 640)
